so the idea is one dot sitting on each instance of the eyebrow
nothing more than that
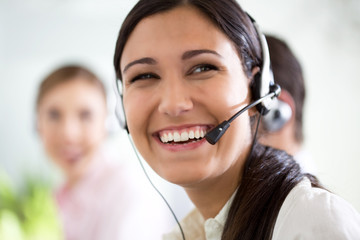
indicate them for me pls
(193, 53)
(185, 56)
(146, 60)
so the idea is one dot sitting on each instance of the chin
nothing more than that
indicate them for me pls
(184, 177)
(74, 169)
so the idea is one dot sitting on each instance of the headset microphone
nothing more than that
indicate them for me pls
(263, 90)
(216, 133)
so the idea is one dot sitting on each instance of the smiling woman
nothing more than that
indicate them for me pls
(185, 66)
(100, 198)
(71, 109)
(202, 75)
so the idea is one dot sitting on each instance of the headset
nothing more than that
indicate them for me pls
(277, 117)
(263, 82)
(276, 112)
(119, 108)
(263, 88)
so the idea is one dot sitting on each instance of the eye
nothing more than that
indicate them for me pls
(145, 76)
(203, 68)
(85, 115)
(54, 114)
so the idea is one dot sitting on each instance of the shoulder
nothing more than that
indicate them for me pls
(314, 213)
(193, 226)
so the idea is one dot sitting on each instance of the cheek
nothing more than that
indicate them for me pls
(94, 133)
(51, 142)
(237, 139)
(226, 101)
(234, 145)
(237, 90)
(137, 112)
(51, 147)
(48, 137)
(96, 130)
(139, 115)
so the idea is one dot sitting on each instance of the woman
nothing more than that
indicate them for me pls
(100, 199)
(185, 66)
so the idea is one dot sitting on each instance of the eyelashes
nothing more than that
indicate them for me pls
(55, 115)
(197, 71)
(202, 68)
(85, 115)
(144, 76)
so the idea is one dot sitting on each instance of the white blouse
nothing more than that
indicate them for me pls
(307, 213)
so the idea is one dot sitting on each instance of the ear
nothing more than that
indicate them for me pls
(254, 71)
(37, 126)
(286, 97)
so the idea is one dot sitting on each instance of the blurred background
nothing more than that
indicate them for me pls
(37, 36)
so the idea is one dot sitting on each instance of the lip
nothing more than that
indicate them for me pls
(169, 128)
(70, 156)
(175, 147)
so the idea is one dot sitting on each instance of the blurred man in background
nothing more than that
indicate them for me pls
(282, 127)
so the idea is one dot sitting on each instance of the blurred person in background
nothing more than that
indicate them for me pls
(282, 127)
(100, 199)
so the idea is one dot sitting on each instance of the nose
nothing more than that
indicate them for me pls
(70, 131)
(175, 97)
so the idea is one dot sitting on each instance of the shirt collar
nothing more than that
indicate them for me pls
(196, 228)
(215, 226)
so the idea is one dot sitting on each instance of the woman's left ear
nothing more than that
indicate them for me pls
(254, 71)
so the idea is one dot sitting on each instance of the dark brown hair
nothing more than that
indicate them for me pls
(288, 74)
(271, 174)
(65, 74)
(266, 182)
(226, 14)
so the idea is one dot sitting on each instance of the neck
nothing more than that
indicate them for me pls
(210, 196)
(283, 139)
(86, 167)
(70, 182)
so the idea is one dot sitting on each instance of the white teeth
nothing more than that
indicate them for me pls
(176, 137)
(191, 134)
(164, 138)
(170, 137)
(184, 136)
(197, 134)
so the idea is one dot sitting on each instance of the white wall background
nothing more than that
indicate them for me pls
(38, 35)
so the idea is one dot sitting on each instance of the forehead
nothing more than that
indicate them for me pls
(73, 91)
(180, 29)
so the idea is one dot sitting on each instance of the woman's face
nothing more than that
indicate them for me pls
(71, 123)
(182, 77)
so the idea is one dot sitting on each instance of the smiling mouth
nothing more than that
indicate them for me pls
(183, 136)
(71, 155)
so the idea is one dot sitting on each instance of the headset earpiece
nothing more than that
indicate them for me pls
(263, 81)
(119, 108)
(256, 94)
(277, 117)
